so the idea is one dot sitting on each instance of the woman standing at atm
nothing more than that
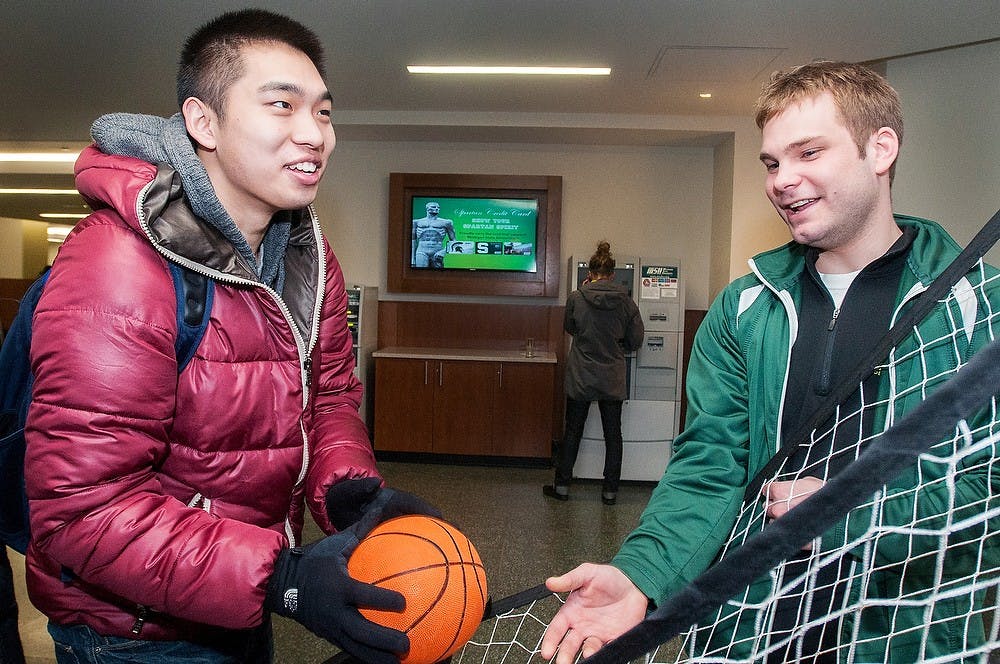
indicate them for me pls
(605, 324)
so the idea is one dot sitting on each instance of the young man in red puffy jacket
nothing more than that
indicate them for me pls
(167, 507)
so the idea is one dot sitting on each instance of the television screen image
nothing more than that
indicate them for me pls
(473, 234)
(462, 233)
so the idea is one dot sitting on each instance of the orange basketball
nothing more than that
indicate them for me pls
(438, 571)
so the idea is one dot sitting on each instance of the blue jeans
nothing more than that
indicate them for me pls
(79, 644)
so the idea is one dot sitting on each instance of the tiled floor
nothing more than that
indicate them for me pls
(522, 537)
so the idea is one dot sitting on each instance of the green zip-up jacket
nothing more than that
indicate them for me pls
(736, 384)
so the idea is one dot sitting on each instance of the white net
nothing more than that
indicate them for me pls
(909, 574)
(515, 637)
(512, 637)
(896, 559)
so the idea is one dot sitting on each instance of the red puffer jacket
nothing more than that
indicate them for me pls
(161, 500)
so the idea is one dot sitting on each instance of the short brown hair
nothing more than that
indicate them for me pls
(864, 99)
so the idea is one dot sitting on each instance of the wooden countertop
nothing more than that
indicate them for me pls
(474, 354)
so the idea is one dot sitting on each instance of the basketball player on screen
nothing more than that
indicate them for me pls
(831, 133)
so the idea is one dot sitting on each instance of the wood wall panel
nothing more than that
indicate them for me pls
(461, 325)
(692, 321)
(499, 326)
(11, 292)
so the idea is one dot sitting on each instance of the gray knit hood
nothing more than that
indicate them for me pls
(165, 140)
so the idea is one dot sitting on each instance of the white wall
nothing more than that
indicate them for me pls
(24, 248)
(949, 168)
(685, 201)
(703, 204)
(646, 201)
(11, 249)
(756, 226)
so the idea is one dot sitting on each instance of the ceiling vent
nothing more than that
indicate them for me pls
(720, 64)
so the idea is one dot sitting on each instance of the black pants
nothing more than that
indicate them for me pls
(611, 422)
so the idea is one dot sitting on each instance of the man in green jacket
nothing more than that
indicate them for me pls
(772, 346)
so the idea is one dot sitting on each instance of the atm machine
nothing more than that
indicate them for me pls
(651, 412)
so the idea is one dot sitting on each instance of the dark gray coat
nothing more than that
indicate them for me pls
(605, 324)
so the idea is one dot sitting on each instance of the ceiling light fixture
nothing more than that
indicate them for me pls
(519, 71)
(40, 192)
(57, 234)
(40, 157)
(63, 215)
(705, 95)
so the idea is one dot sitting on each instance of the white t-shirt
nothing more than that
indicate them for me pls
(837, 285)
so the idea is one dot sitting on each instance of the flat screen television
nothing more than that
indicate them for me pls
(474, 234)
(459, 233)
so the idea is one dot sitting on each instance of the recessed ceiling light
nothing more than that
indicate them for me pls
(57, 234)
(39, 156)
(519, 71)
(64, 215)
(40, 192)
(705, 95)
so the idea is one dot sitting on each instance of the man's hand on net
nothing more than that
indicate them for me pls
(780, 497)
(602, 605)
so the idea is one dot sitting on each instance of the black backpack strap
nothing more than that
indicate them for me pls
(195, 293)
(16, 382)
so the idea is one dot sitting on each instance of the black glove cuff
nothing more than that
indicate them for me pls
(348, 500)
(281, 596)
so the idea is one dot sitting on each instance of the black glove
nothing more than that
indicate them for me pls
(349, 500)
(311, 586)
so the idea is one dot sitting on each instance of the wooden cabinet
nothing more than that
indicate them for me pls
(463, 416)
(404, 405)
(463, 407)
(522, 410)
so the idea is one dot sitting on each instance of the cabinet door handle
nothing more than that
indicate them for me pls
(440, 374)
(425, 372)
(500, 374)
